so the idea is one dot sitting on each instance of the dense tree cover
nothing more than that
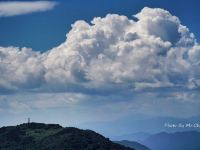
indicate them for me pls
(38, 136)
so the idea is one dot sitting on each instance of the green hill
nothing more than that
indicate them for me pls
(38, 136)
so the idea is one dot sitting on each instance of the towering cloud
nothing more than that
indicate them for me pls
(114, 52)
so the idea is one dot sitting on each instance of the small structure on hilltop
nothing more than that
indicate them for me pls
(29, 120)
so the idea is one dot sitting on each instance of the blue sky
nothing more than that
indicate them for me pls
(140, 64)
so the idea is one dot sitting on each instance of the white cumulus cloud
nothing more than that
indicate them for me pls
(13, 8)
(113, 52)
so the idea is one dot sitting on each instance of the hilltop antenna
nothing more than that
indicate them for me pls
(29, 120)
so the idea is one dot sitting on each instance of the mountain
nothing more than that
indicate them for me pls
(132, 144)
(138, 136)
(133, 124)
(38, 136)
(188, 140)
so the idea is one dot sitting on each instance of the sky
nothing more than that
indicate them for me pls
(94, 64)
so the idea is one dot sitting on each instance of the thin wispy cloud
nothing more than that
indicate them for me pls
(14, 8)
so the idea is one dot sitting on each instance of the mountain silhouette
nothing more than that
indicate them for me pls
(188, 140)
(138, 137)
(39, 136)
(133, 144)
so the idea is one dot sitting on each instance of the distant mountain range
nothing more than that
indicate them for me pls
(133, 144)
(186, 140)
(189, 140)
(37, 136)
(138, 136)
(146, 125)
